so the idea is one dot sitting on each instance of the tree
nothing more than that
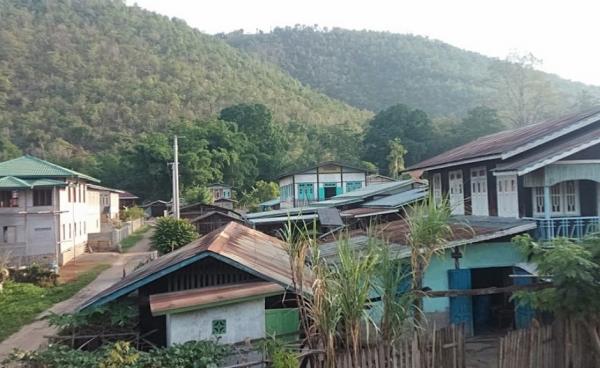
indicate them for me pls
(413, 127)
(197, 194)
(523, 95)
(260, 192)
(396, 157)
(478, 122)
(171, 234)
(7, 149)
(429, 230)
(574, 270)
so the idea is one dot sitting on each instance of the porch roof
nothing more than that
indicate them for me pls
(551, 153)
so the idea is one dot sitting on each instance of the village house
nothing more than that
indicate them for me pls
(208, 217)
(109, 202)
(319, 182)
(46, 211)
(549, 172)
(128, 200)
(234, 283)
(222, 195)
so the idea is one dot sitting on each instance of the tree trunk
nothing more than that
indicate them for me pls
(594, 337)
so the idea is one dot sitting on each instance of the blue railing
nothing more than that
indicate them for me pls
(566, 227)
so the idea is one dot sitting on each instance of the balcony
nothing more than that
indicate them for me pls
(566, 227)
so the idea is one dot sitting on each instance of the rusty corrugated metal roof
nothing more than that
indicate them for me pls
(235, 244)
(193, 299)
(508, 140)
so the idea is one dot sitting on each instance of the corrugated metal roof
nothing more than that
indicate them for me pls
(367, 212)
(398, 200)
(269, 203)
(104, 189)
(375, 189)
(509, 140)
(127, 195)
(10, 182)
(282, 219)
(330, 217)
(285, 212)
(218, 213)
(548, 154)
(235, 244)
(31, 167)
(465, 230)
(194, 299)
(324, 163)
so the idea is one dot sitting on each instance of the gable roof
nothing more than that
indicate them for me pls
(509, 143)
(127, 195)
(104, 189)
(33, 167)
(237, 245)
(324, 163)
(231, 216)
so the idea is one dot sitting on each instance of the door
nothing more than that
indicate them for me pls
(437, 187)
(457, 198)
(479, 197)
(305, 193)
(461, 307)
(523, 313)
(508, 196)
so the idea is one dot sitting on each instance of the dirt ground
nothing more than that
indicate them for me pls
(84, 263)
(482, 351)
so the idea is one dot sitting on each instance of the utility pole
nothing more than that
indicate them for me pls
(175, 179)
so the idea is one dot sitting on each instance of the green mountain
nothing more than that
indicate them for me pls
(84, 75)
(374, 70)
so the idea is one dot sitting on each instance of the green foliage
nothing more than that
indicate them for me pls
(280, 355)
(260, 192)
(121, 315)
(196, 354)
(22, 302)
(120, 355)
(131, 213)
(171, 233)
(396, 157)
(197, 194)
(374, 70)
(89, 75)
(35, 274)
(573, 268)
(413, 127)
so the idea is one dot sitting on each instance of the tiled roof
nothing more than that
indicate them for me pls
(498, 144)
(33, 167)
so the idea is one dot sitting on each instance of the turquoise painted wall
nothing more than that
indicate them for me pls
(474, 256)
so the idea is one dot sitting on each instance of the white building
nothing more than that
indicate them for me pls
(319, 182)
(46, 211)
(109, 202)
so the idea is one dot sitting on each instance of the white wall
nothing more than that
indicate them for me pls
(245, 320)
(114, 205)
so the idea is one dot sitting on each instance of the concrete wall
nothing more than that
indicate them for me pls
(245, 320)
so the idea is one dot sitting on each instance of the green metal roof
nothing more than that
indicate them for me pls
(33, 167)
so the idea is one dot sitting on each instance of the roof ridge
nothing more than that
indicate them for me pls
(40, 160)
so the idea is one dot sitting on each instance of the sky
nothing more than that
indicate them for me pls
(564, 34)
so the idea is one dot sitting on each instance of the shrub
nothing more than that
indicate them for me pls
(36, 274)
(171, 233)
(132, 213)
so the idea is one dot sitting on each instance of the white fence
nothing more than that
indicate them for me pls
(111, 240)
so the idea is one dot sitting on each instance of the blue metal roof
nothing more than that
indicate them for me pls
(270, 203)
(398, 200)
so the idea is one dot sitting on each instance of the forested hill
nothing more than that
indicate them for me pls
(373, 70)
(88, 73)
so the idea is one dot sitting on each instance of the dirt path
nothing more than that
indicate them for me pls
(144, 244)
(482, 351)
(32, 336)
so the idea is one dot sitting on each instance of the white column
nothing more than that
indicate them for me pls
(548, 212)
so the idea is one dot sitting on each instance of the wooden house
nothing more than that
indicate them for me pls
(128, 200)
(234, 283)
(319, 182)
(549, 172)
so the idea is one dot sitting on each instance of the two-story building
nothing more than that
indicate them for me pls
(222, 195)
(548, 171)
(46, 211)
(319, 182)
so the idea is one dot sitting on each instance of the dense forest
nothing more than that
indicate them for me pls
(374, 70)
(89, 74)
(102, 87)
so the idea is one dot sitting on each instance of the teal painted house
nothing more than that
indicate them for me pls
(319, 182)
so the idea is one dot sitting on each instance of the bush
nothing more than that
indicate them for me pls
(171, 233)
(37, 275)
(197, 354)
(132, 213)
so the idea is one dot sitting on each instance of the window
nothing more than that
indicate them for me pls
(64, 232)
(70, 234)
(564, 199)
(9, 198)
(305, 191)
(219, 327)
(353, 185)
(75, 230)
(9, 234)
(437, 187)
(42, 197)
